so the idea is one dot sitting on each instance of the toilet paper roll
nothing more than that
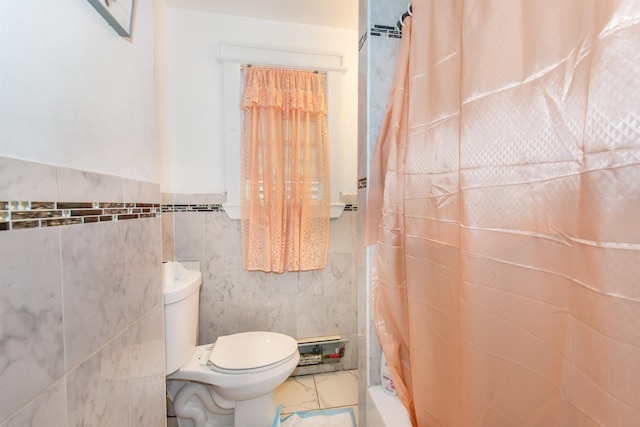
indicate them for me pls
(168, 272)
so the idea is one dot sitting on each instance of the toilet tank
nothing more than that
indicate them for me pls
(181, 303)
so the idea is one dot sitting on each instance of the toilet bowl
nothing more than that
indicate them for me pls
(235, 375)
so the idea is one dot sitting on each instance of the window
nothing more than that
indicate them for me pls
(233, 56)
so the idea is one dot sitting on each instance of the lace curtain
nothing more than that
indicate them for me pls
(285, 199)
(506, 281)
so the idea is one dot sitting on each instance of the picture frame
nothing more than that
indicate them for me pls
(118, 13)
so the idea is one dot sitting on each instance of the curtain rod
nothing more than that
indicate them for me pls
(409, 12)
(284, 68)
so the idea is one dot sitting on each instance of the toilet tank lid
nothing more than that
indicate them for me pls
(250, 350)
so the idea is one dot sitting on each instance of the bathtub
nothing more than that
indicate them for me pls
(384, 410)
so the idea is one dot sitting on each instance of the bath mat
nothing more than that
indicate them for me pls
(342, 417)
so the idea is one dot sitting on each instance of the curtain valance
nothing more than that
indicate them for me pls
(285, 89)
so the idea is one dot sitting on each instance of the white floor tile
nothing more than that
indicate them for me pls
(336, 389)
(297, 394)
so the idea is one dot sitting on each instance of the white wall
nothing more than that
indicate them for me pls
(196, 117)
(162, 106)
(73, 92)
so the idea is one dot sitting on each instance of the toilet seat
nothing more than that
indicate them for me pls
(248, 352)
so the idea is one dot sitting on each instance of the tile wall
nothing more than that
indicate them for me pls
(377, 57)
(299, 304)
(81, 314)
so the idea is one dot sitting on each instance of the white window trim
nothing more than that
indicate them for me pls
(233, 56)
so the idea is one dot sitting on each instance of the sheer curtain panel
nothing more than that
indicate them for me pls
(285, 187)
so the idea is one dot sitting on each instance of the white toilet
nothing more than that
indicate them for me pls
(235, 375)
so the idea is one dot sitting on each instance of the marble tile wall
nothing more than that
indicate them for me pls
(300, 304)
(167, 229)
(81, 314)
(362, 275)
(379, 44)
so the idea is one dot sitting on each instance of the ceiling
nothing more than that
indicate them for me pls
(330, 13)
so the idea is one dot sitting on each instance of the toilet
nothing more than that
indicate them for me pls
(231, 379)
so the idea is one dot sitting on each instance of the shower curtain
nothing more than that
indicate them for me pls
(504, 201)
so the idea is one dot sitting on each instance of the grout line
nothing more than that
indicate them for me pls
(315, 386)
(319, 406)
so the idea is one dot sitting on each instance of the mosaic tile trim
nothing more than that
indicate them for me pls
(20, 215)
(213, 207)
(385, 31)
(363, 39)
(219, 208)
(362, 183)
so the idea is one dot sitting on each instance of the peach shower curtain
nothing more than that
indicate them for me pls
(285, 199)
(506, 281)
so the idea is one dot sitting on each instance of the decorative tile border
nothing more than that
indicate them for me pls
(385, 31)
(363, 39)
(380, 30)
(208, 207)
(213, 207)
(19, 215)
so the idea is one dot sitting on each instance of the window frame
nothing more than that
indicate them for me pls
(233, 56)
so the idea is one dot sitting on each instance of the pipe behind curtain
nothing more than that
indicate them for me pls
(505, 207)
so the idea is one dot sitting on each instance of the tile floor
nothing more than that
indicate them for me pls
(313, 392)
(320, 391)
